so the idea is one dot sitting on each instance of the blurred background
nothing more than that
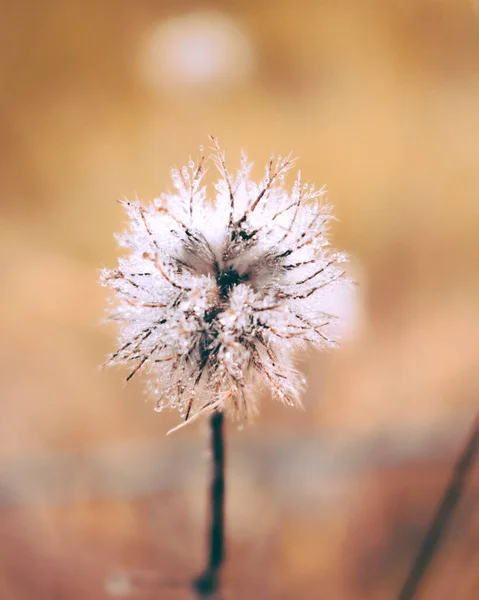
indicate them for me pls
(380, 100)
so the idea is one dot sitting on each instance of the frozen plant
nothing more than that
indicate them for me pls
(216, 294)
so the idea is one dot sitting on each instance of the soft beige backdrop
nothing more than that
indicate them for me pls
(380, 100)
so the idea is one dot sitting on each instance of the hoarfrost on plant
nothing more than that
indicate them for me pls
(215, 295)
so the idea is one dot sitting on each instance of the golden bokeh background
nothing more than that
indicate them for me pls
(380, 100)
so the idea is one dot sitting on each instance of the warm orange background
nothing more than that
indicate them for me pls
(380, 100)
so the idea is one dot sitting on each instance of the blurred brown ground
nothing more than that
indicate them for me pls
(380, 100)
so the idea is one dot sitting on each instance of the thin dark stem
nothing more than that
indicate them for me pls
(443, 515)
(207, 584)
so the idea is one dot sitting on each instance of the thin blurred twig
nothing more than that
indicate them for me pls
(443, 515)
(207, 583)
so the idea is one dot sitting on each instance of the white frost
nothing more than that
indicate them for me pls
(214, 298)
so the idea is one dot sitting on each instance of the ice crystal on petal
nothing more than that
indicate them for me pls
(214, 298)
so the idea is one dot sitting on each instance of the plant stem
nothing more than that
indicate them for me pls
(207, 583)
(443, 515)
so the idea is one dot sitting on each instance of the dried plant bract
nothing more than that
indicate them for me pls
(216, 294)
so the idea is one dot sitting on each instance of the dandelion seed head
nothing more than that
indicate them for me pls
(216, 295)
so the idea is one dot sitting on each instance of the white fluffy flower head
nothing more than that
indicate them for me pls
(216, 294)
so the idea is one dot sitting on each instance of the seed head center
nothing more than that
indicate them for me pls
(227, 279)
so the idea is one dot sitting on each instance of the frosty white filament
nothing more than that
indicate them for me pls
(216, 294)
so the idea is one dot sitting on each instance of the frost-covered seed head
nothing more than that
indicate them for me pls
(214, 298)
